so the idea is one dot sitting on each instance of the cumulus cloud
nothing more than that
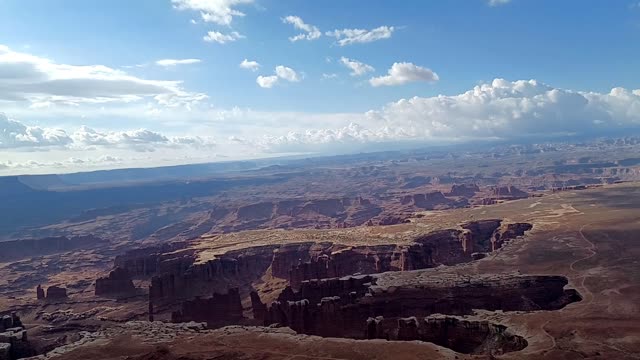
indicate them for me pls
(220, 38)
(498, 110)
(354, 36)
(281, 72)
(508, 110)
(267, 81)
(287, 73)
(15, 134)
(498, 2)
(310, 32)
(402, 73)
(220, 12)
(25, 77)
(174, 62)
(357, 68)
(250, 65)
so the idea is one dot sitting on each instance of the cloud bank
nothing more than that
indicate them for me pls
(500, 109)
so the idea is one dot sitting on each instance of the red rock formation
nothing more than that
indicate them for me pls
(14, 343)
(508, 232)
(233, 269)
(480, 233)
(220, 309)
(146, 261)
(429, 201)
(343, 307)
(464, 190)
(509, 193)
(258, 307)
(464, 336)
(297, 262)
(39, 292)
(56, 293)
(118, 283)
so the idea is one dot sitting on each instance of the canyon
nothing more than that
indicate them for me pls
(510, 254)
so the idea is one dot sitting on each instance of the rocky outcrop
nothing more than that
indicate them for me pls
(258, 308)
(118, 283)
(429, 201)
(219, 310)
(40, 293)
(461, 335)
(232, 269)
(14, 343)
(508, 232)
(509, 193)
(56, 293)
(463, 190)
(147, 261)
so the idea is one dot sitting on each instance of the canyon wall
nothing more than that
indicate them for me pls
(343, 307)
(118, 283)
(178, 276)
(17, 249)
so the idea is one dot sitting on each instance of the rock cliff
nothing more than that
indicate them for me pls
(118, 283)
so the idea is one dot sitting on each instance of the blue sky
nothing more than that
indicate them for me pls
(577, 52)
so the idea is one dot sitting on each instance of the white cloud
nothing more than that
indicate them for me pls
(498, 2)
(42, 82)
(310, 32)
(287, 73)
(220, 38)
(14, 134)
(174, 62)
(220, 12)
(267, 81)
(357, 68)
(329, 76)
(281, 72)
(355, 36)
(402, 73)
(250, 65)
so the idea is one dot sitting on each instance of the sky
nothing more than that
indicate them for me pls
(88, 85)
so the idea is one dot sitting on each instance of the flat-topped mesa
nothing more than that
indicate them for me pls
(56, 293)
(430, 201)
(509, 193)
(463, 190)
(219, 310)
(341, 307)
(183, 277)
(117, 283)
